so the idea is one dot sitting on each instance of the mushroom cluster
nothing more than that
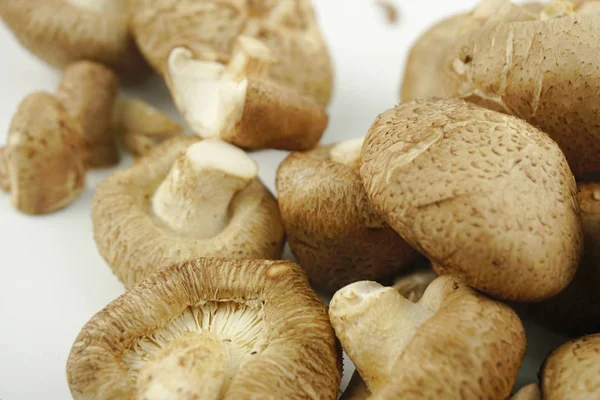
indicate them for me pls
(480, 188)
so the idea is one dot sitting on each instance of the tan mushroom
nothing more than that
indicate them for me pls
(529, 392)
(411, 286)
(210, 329)
(61, 32)
(511, 65)
(44, 159)
(572, 371)
(239, 104)
(332, 228)
(472, 345)
(88, 91)
(485, 196)
(185, 199)
(288, 28)
(142, 127)
(576, 310)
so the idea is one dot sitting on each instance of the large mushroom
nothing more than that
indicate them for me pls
(61, 32)
(185, 199)
(572, 371)
(452, 343)
(332, 228)
(88, 91)
(238, 103)
(485, 196)
(288, 28)
(210, 329)
(43, 163)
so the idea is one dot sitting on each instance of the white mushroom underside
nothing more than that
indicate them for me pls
(113, 6)
(239, 327)
(218, 155)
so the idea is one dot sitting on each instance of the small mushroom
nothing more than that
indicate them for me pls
(88, 91)
(239, 104)
(210, 329)
(61, 32)
(332, 228)
(576, 310)
(287, 27)
(529, 392)
(572, 371)
(142, 127)
(449, 339)
(185, 199)
(485, 196)
(44, 159)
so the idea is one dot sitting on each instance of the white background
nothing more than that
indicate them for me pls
(53, 279)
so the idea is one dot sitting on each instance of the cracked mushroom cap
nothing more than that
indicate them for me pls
(455, 339)
(44, 158)
(572, 371)
(210, 29)
(331, 227)
(186, 199)
(485, 196)
(61, 32)
(576, 310)
(542, 69)
(239, 104)
(210, 329)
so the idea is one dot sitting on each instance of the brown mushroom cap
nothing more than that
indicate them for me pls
(576, 310)
(210, 328)
(332, 229)
(462, 344)
(142, 127)
(572, 371)
(88, 91)
(135, 241)
(288, 28)
(61, 32)
(542, 71)
(485, 196)
(45, 156)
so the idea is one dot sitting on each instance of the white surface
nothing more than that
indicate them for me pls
(54, 280)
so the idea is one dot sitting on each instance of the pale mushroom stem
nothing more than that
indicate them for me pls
(190, 366)
(4, 178)
(356, 309)
(195, 197)
(347, 152)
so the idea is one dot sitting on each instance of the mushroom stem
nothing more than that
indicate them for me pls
(194, 198)
(357, 308)
(4, 178)
(190, 366)
(347, 152)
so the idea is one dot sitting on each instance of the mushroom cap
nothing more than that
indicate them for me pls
(134, 242)
(550, 76)
(264, 310)
(45, 156)
(485, 196)
(61, 32)
(288, 28)
(464, 345)
(576, 310)
(331, 227)
(572, 371)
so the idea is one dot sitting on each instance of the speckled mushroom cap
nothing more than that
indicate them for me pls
(135, 241)
(576, 310)
(331, 227)
(485, 196)
(289, 28)
(64, 31)
(462, 344)
(44, 156)
(210, 329)
(543, 71)
(572, 371)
